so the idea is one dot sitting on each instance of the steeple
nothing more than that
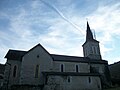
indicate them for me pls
(89, 35)
(91, 47)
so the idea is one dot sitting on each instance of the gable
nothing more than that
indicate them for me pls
(38, 46)
(35, 56)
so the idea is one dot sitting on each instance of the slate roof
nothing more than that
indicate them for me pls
(66, 58)
(71, 74)
(15, 54)
(89, 35)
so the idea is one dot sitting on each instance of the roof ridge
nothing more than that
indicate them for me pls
(66, 55)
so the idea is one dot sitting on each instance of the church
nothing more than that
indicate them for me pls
(39, 70)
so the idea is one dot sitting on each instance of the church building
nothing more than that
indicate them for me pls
(38, 68)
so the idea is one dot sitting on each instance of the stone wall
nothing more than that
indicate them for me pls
(70, 67)
(26, 87)
(73, 83)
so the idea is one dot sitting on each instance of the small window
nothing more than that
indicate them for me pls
(97, 69)
(77, 68)
(38, 56)
(14, 71)
(69, 79)
(98, 50)
(86, 52)
(91, 50)
(36, 71)
(61, 68)
(89, 80)
(94, 50)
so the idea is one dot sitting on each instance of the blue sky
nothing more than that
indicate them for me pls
(60, 26)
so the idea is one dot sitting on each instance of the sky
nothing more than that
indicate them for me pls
(60, 26)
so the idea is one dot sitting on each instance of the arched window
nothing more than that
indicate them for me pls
(36, 71)
(14, 71)
(95, 50)
(61, 68)
(86, 52)
(89, 80)
(77, 68)
(98, 50)
(68, 79)
(91, 50)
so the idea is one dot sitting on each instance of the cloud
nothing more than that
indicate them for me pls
(34, 23)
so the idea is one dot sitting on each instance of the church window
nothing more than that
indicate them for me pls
(38, 56)
(61, 68)
(97, 69)
(36, 71)
(91, 50)
(89, 80)
(14, 71)
(69, 79)
(86, 52)
(98, 51)
(94, 50)
(77, 68)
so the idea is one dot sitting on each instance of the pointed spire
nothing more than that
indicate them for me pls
(88, 27)
(89, 35)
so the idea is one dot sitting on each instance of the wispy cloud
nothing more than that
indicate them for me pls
(58, 27)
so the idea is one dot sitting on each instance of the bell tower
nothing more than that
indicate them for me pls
(91, 47)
